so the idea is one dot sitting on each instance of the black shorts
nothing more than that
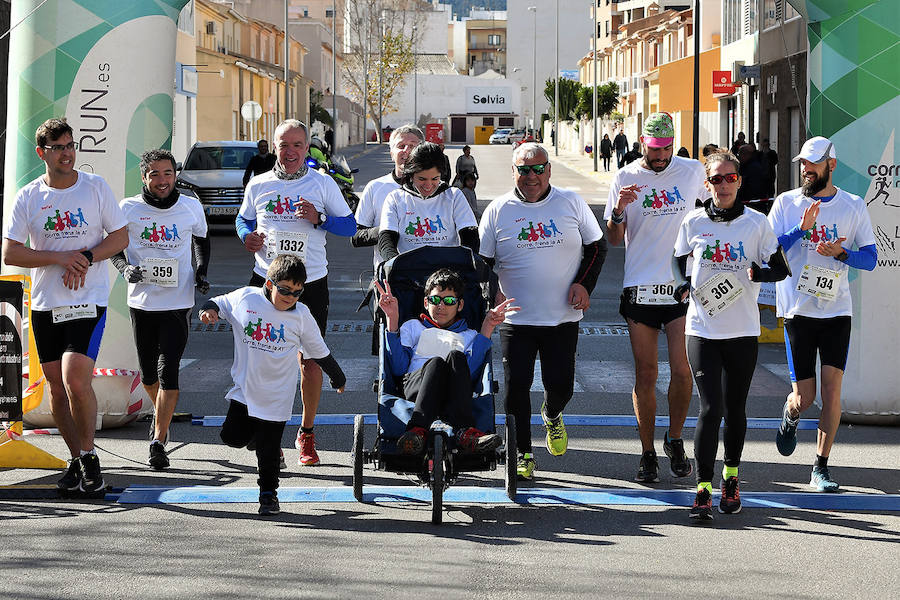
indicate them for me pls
(160, 337)
(54, 339)
(315, 297)
(656, 317)
(805, 336)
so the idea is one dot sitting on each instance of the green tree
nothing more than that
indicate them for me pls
(607, 100)
(568, 98)
(317, 111)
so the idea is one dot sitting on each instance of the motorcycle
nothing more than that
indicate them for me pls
(337, 168)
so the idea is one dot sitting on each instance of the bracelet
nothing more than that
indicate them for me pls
(88, 255)
(617, 219)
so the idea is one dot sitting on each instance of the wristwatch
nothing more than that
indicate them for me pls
(322, 219)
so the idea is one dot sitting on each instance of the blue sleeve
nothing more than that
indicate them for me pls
(480, 347)
(865, 258)
(244, 226)
(790, 237)
(345, 226)
(398, 355)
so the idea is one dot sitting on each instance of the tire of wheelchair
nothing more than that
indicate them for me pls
(437, 483)
(511, 456)
(358, 457)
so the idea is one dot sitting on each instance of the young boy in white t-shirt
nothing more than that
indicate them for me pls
(269, 328)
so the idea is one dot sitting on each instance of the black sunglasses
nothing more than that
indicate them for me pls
(717, 179)
(447, 300)
(286, 292)
(538, 169)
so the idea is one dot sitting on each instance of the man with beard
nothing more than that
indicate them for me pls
(647, 201)
(812, 224)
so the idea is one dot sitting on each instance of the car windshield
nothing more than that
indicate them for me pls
(501, 132)
(214, 158)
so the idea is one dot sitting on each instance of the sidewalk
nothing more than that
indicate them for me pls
(584, 164)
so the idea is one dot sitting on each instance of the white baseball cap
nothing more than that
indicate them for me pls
(816, 149)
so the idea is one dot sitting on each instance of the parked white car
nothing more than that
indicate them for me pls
(501, 136)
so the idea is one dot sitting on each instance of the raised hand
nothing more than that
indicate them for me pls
(389, 305)
(810, 215)
(497, 315)
(254, 241)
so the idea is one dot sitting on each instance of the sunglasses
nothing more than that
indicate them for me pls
(717, 179)
(61, 147)
(447, 300)
(538, 169)
(286, 292)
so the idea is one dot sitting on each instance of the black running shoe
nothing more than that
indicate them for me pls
(268, 504)
(786, 436)
(730, 502)
(702, 509)
(91, 478)
(71, 479)
(648, 471)
(679, 464)
(159, 460)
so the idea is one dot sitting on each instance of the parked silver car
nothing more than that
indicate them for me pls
(213, 173)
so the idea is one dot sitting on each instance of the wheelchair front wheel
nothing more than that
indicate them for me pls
(437, 480)
(511, 457)
(358, 457)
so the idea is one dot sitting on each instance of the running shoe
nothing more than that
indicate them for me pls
(730, 502)
(268, 504)
(679, 464)
(473, 441)
(822, 481)
(525, 466)
(702, 509)
(71, 479)
(306, 443)
(281, 464)
(786, 438)
(648, 470)
(557, 438)
(412, 441)
(91, 478)
(159, 460)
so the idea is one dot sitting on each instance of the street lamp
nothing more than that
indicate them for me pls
(556, 91)
(534, 74)
(415, 79)
(380, 81)
(594, 111)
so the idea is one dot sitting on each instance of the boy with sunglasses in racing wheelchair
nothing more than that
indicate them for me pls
(438, 354)
(269, 326)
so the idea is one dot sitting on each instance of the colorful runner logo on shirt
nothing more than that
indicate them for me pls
(257, 332)
(281, 206)
(663, 198)
(160, 234)
(821, 233)
(728, 252)
(534, 233)
(429, 226)
(67, 220)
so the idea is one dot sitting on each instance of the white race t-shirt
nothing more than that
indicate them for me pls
(368, 213)
(845, 215)
(725, 247)
(156, 238)
(538, 249)
(651, 221)
(272, 202)
(74, 218)
(411, 331)
(266, 342)
(434, 221)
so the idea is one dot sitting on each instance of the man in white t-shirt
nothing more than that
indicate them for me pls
(547, 249)
(288, 211)
(813, 223)
(65, 214)
(647, 201)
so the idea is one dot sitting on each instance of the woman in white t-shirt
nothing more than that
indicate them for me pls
(727, 243)
(425, 211)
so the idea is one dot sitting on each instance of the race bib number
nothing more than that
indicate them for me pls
(656, 294)
(160, 271)
(718, 293)
(61, 314)
(286, 242)
(819, 282)
(439, 342)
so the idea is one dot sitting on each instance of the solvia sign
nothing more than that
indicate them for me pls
(488, 100)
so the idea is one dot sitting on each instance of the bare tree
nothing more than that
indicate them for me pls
(380, 38)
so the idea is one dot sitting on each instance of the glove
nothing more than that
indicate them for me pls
(202, 283)
(133, 274)
(680, 290)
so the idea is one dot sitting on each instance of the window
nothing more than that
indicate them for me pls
(776, 11)
(607, 28)
(731, 21)
(329, 13)
(186, 18)
(487, 121)
(493, 40)
(751, 24)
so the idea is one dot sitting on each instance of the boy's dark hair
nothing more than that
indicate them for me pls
(287, 267)
(52, 129)
(425, 156)
(710, 149)
(152, 156)
(446, 279)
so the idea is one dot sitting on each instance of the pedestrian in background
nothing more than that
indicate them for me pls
(606, 148)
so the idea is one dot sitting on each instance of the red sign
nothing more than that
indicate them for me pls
(721, 83)
(434, 132)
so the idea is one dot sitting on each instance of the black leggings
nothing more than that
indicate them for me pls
(160, 338)
(723, 370)
(520, 345)
(240, 429)
(441, 389)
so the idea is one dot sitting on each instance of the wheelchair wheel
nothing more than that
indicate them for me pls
(437, 480)
(358, 457)
(511, 457)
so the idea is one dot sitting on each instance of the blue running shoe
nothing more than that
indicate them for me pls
(786, 438)
(822, 481)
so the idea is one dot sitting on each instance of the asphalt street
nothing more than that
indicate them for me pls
(556, 541)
